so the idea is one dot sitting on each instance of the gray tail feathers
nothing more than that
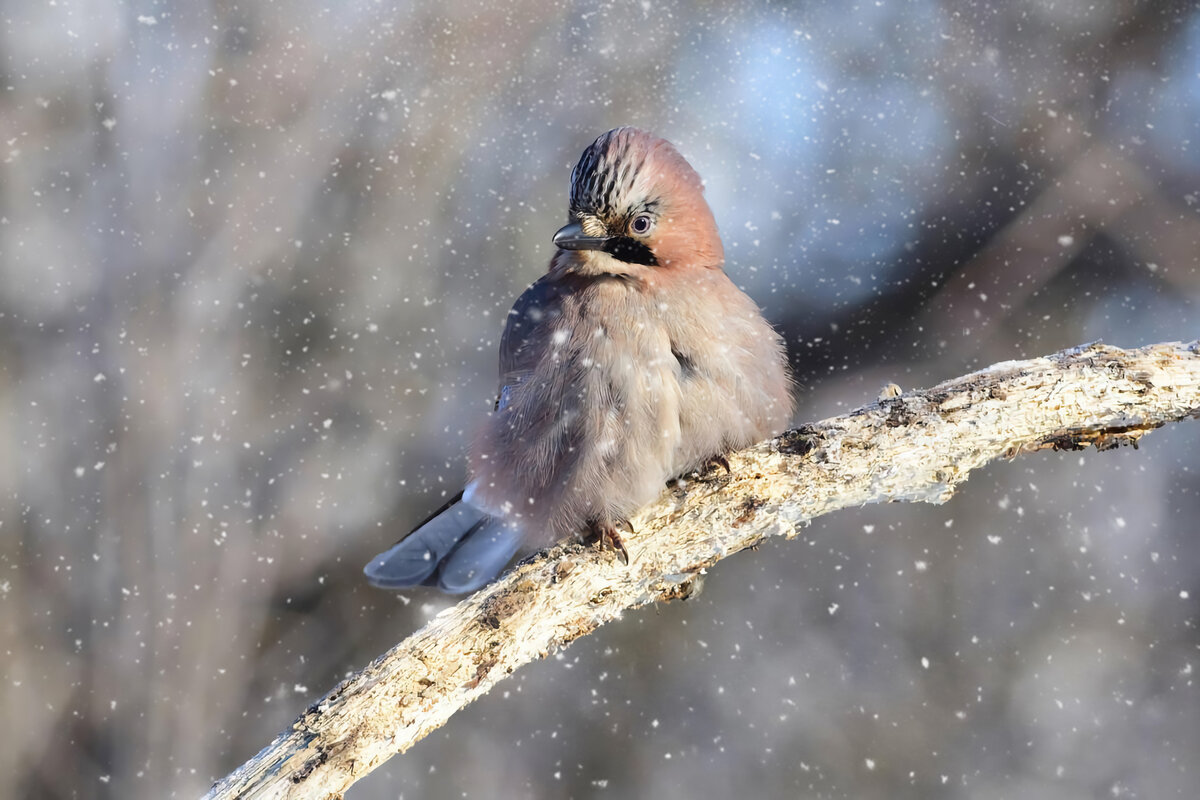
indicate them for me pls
(458, 550)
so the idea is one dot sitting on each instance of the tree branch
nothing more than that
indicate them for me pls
(917, 446)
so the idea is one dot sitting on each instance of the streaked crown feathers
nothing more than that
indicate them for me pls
(621, 169)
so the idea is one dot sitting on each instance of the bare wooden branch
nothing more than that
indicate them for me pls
(917, 446)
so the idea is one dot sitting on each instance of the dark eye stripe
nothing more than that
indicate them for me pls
(631, 251)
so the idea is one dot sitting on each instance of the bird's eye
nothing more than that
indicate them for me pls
(641, 224)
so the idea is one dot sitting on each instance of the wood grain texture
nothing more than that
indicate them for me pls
(915, 446)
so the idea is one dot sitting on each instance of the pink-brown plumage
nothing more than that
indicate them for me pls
(633, 360)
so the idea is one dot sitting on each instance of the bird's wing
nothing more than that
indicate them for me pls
(524, 338)
(465, 543)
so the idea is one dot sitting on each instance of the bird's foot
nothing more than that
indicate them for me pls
(605, 532)
(706, 472)
(719, 460)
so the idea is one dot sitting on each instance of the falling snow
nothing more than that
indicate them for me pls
(254, 269)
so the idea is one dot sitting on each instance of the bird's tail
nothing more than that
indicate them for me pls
(458, 549)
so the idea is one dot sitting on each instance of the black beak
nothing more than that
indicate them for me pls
(572, 237)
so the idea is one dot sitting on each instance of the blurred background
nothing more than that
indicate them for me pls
(254, 263)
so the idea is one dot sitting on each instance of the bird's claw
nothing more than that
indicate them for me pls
(606, 535)
(718, 460)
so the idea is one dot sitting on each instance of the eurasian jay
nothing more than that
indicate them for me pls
(633, 360)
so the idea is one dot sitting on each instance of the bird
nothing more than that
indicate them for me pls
(633, 360)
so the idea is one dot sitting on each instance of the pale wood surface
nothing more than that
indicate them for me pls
(916, 446)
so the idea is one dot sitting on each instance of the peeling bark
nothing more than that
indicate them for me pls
(915, 446)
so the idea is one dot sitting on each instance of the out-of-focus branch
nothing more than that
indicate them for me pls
(1088, 197)
(915, 446)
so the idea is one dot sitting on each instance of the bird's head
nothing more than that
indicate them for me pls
(637, 205)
